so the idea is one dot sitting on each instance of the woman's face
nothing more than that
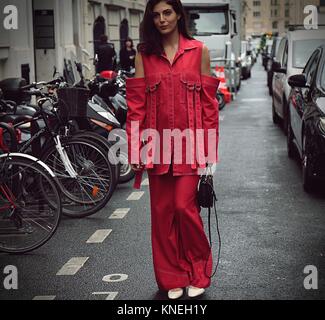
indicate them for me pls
(128, 44)
(165, 18)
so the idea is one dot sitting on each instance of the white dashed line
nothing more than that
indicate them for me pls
(99, 236)
(72, 266)
(44, 298)
(221, 118)
(145, 182)
(254, 100)
(119, 213)
(135, 196)
(110, 295)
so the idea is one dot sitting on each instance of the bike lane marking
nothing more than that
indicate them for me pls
(119, 213)
(44, 298)
(72, 266)
(145, 182)
(110, 295)
(134, 196)
(99, 236)
(254, 100)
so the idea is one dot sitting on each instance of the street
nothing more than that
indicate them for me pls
(270, 228)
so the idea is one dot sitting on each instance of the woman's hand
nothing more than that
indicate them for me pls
(137, 167)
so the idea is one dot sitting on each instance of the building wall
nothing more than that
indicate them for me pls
(73, 27)
(16, 46)
(266, 16)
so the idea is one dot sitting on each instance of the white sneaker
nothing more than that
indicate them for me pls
(175, 293)
(194, 292)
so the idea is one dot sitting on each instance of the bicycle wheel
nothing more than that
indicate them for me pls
(104, 145)
(27, 218)
(92, 187)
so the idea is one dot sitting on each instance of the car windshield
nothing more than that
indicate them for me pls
(204, 22)
(302, 50)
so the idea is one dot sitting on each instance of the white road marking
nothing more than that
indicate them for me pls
(145, 182)
(119, 213)
(254, 100)
(110, 295)
(119, 277)
(221, 118)
(44, 298)
(99, 236)
(72, 266)
(135, 196)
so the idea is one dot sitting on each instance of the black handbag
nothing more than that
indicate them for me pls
(207, 200)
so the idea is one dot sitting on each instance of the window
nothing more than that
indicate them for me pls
(311, 71)
(206, 22)
(275, 25)
(256, 14)
(256, 3)
(281, 50)
(285, 57)
(302, 50)
(44, 29)
(322, 81)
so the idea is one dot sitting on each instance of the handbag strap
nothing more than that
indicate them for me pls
(210, 234)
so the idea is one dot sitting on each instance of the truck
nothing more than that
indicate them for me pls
(215, 24)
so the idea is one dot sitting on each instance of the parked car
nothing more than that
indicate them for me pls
(306, 119)
(294, 51)
(274, 51)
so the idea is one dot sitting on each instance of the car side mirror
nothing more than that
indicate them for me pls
(276, 67)
(298, 81)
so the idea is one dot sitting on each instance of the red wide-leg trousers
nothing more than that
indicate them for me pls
(180, 248)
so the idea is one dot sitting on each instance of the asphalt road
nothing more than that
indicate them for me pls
(271, 230)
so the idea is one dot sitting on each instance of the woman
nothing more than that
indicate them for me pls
(127, 55)
(173, 91)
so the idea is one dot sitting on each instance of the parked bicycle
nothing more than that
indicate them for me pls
(30, 203)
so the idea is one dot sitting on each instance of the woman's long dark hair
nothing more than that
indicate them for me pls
(151, 37)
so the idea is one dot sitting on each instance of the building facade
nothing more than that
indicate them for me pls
(273, 16)
(50, 31)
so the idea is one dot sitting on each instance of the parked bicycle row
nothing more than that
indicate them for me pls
(56, 155)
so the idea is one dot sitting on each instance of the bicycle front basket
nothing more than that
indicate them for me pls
(73, 102)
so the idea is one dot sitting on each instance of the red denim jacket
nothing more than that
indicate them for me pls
(174, 96)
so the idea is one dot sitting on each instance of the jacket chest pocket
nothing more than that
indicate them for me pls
(153, 99)
(190, 86)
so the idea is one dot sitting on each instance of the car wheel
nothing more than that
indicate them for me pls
(307, 178)
(221, 101)
(290, 144)
(276, 119)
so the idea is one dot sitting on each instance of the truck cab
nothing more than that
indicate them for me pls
(214, 23)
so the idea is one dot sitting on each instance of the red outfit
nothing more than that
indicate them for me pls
(176, 96)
